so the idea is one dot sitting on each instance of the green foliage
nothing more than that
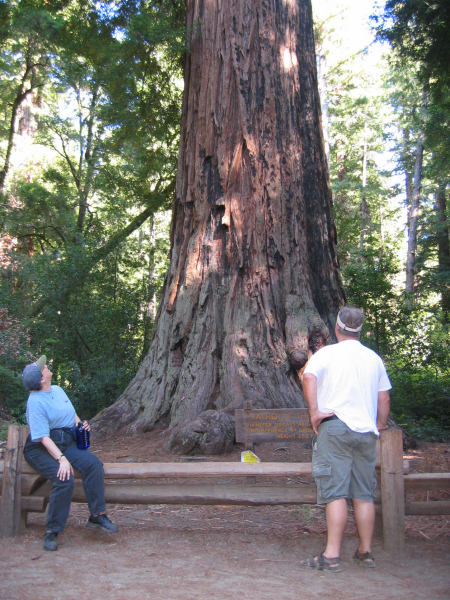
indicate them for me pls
(369, 277)
(438, 134)
(411, 333)
(12, 390)
(423, 428)
(414, 344)
(81, 266)
(358, 120)
(420, 370)
(418, 30)
(95, 338)
(421, 379)
(29, 34)
(14, 354)
(4, 431)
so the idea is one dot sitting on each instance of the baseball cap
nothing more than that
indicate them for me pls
(32, 374)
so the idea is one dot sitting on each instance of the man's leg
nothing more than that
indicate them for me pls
(365, 522)
(332, 462)
(362, 488)
(337, 515)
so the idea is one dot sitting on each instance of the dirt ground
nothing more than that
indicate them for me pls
(222, 552)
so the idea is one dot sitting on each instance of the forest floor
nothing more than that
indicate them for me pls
(222, 552)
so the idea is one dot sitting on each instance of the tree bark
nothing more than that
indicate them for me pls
(324, 102)
(253, 255)
(365, 215)
(22, 94)
(90, 158)
(413, 218)
(151, 304)
(414, 212)
(407, 170)
(443, 252)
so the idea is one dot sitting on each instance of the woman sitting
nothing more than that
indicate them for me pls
(51, 450)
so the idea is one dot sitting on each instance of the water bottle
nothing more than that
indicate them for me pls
(83, 437)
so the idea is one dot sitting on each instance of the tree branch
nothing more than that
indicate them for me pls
(89, 156)
(154, 201)
(81, 338)
(39, 236)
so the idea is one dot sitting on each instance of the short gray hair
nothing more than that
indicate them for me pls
(352, 318)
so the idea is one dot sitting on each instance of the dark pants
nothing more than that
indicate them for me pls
(83, 461)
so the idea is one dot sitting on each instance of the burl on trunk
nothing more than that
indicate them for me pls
(253, 261)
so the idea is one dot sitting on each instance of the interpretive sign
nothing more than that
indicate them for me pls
(278, 425)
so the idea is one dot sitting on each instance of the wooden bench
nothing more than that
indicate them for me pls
(23, 490)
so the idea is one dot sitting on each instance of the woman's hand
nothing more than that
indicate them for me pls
(65, 469)
(85, 423)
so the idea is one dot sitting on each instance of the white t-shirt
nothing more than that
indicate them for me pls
(349, 377)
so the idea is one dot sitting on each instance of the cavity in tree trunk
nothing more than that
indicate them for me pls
(253, 256)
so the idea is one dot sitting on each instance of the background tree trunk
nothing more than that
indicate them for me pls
(365, 214)
(413, 219)
(414, 212)
(443, 251)
(324, 103)
(253, 259)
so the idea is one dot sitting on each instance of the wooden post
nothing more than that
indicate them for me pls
(248, 444)
(10, 508)
(392, 491)
(378, 530)
(23, 435)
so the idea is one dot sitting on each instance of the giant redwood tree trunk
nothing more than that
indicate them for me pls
(253, 261)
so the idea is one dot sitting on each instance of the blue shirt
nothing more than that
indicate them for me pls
(49, 410)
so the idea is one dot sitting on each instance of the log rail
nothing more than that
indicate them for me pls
(23, 490)
(203, 470)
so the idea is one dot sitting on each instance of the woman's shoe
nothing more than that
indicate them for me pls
(50, 541)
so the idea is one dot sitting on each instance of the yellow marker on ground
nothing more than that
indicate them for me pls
(249, 457)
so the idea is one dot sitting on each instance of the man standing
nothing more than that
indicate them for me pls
(346, 389)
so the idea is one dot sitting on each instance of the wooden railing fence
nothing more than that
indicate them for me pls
(23, 490)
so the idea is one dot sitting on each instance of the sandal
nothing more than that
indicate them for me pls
(321, 563)
(364, 559)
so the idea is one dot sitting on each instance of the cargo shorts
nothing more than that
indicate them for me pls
(343, 463)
